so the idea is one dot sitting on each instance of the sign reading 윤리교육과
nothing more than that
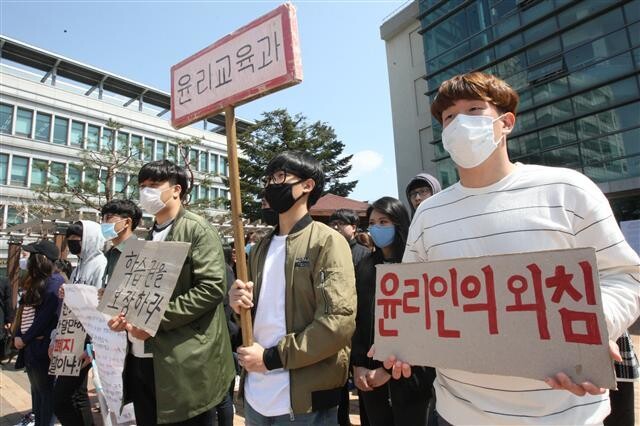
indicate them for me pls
(528, 315)
(259, 58)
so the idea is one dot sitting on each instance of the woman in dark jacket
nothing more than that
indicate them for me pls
(39, 318)
(386, 402)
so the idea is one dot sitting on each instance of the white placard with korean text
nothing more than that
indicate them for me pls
(143, 281)
(68, 345)
(528, 315)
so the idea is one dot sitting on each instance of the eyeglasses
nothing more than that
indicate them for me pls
(277, 178)
(422, 192)
(337, 224)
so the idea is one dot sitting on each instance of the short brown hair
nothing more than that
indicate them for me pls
(476, 86)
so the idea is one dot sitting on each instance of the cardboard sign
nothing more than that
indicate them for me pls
(68, 345)
(528, 315)
(110, 347)
(143, 281)
(257, 59)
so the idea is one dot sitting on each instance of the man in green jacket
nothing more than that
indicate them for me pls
(179, 375)
(303, 300)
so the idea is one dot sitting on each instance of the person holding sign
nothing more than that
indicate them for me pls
(499, 207)
(303, 303)
(179, 375)
(41, 307)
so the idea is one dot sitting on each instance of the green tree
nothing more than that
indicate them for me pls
(278, 131)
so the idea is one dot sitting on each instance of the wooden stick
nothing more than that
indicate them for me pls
(236, 217)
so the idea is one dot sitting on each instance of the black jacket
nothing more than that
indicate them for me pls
(358, 251)
(421, 377)
(6, 308)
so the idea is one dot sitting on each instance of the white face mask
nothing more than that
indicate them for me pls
(469, 139)
(22, 263)
(150, 199)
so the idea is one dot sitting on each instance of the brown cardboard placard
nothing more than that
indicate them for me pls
(528, 315)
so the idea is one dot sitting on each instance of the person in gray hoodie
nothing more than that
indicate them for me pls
(71, 403)
(421, 187)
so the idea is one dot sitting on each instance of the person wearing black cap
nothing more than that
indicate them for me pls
(41, 307)
(421, 187)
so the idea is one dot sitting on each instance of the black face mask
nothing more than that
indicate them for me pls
(75, 246)
(269, 216)
(280, 196)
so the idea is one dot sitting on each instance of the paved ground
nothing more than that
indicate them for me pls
(15, 399)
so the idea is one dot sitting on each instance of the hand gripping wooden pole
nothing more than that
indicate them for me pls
(236, 217)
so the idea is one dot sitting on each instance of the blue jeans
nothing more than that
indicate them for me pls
(41, 394)
(328, 417)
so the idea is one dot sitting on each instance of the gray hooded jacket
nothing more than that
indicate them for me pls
(91, 262)
(420, 180)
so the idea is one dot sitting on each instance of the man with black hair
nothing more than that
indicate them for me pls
(421, 187)
(345, 221)
(303, 302)
(179, 375)
(119, 219)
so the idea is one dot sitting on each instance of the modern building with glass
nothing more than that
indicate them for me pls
(54, 109)
(575, 64)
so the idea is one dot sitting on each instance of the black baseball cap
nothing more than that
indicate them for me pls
(44, 247)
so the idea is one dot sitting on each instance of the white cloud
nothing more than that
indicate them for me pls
(364, 162)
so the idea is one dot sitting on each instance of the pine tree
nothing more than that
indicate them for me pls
(277, 132)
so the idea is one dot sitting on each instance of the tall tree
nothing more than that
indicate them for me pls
(278, 131)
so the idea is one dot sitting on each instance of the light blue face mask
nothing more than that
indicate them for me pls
(109, 230)
(247, 248)
(382, 235)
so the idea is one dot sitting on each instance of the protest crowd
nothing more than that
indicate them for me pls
(313, 295)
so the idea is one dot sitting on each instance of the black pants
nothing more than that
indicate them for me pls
(343, 407)
(71, 403)
(391, 405)
(140, 385)
(224, 410)
(622, 410)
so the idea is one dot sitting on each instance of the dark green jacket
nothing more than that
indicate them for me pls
(192, 358)
(320, 304)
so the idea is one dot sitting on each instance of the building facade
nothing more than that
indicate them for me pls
(54, 110)
(575, 64)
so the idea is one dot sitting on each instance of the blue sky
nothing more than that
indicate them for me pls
(344, 61)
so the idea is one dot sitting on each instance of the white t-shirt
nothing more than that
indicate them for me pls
(534, 208)
(268, 393)
(137, 345)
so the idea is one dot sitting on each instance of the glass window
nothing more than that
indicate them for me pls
(213, 163)
(193, 158)
(526, 121)
(580, 11)
(14, 216)
(592, 29)
(24, 120)
(509, 45)
(121, 182)
(553, 113)
(60, 131)
(600, 72)
(91, 179)
(107, 139)
(530, 143)
(565, 157)
(161, 150)
(540, 30)
(597, 50)
(93, 137)
(4, 168)
(172, 153)
(204, 163)
(536, 11)
(213, 193)
(77, 133)
(6, 118)
(509, 25)
(39, 170)
(148, 149)
(634, 33)
(43, 126)
(600, 97)
(447, 173)
(122, 144)
(19, 171)
(632, 11)
(224, 166)
(57, 173)
(615, 169)
(136, 146)
(543, 50)
(75, 176)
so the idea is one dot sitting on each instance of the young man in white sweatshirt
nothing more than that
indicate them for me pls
(501, 207)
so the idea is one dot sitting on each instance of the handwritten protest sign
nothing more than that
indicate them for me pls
(68, 345)
(259, 58)
(110, 347)
(143, 282)
(489, 314)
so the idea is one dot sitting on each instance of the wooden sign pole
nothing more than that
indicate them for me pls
(236, 217)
